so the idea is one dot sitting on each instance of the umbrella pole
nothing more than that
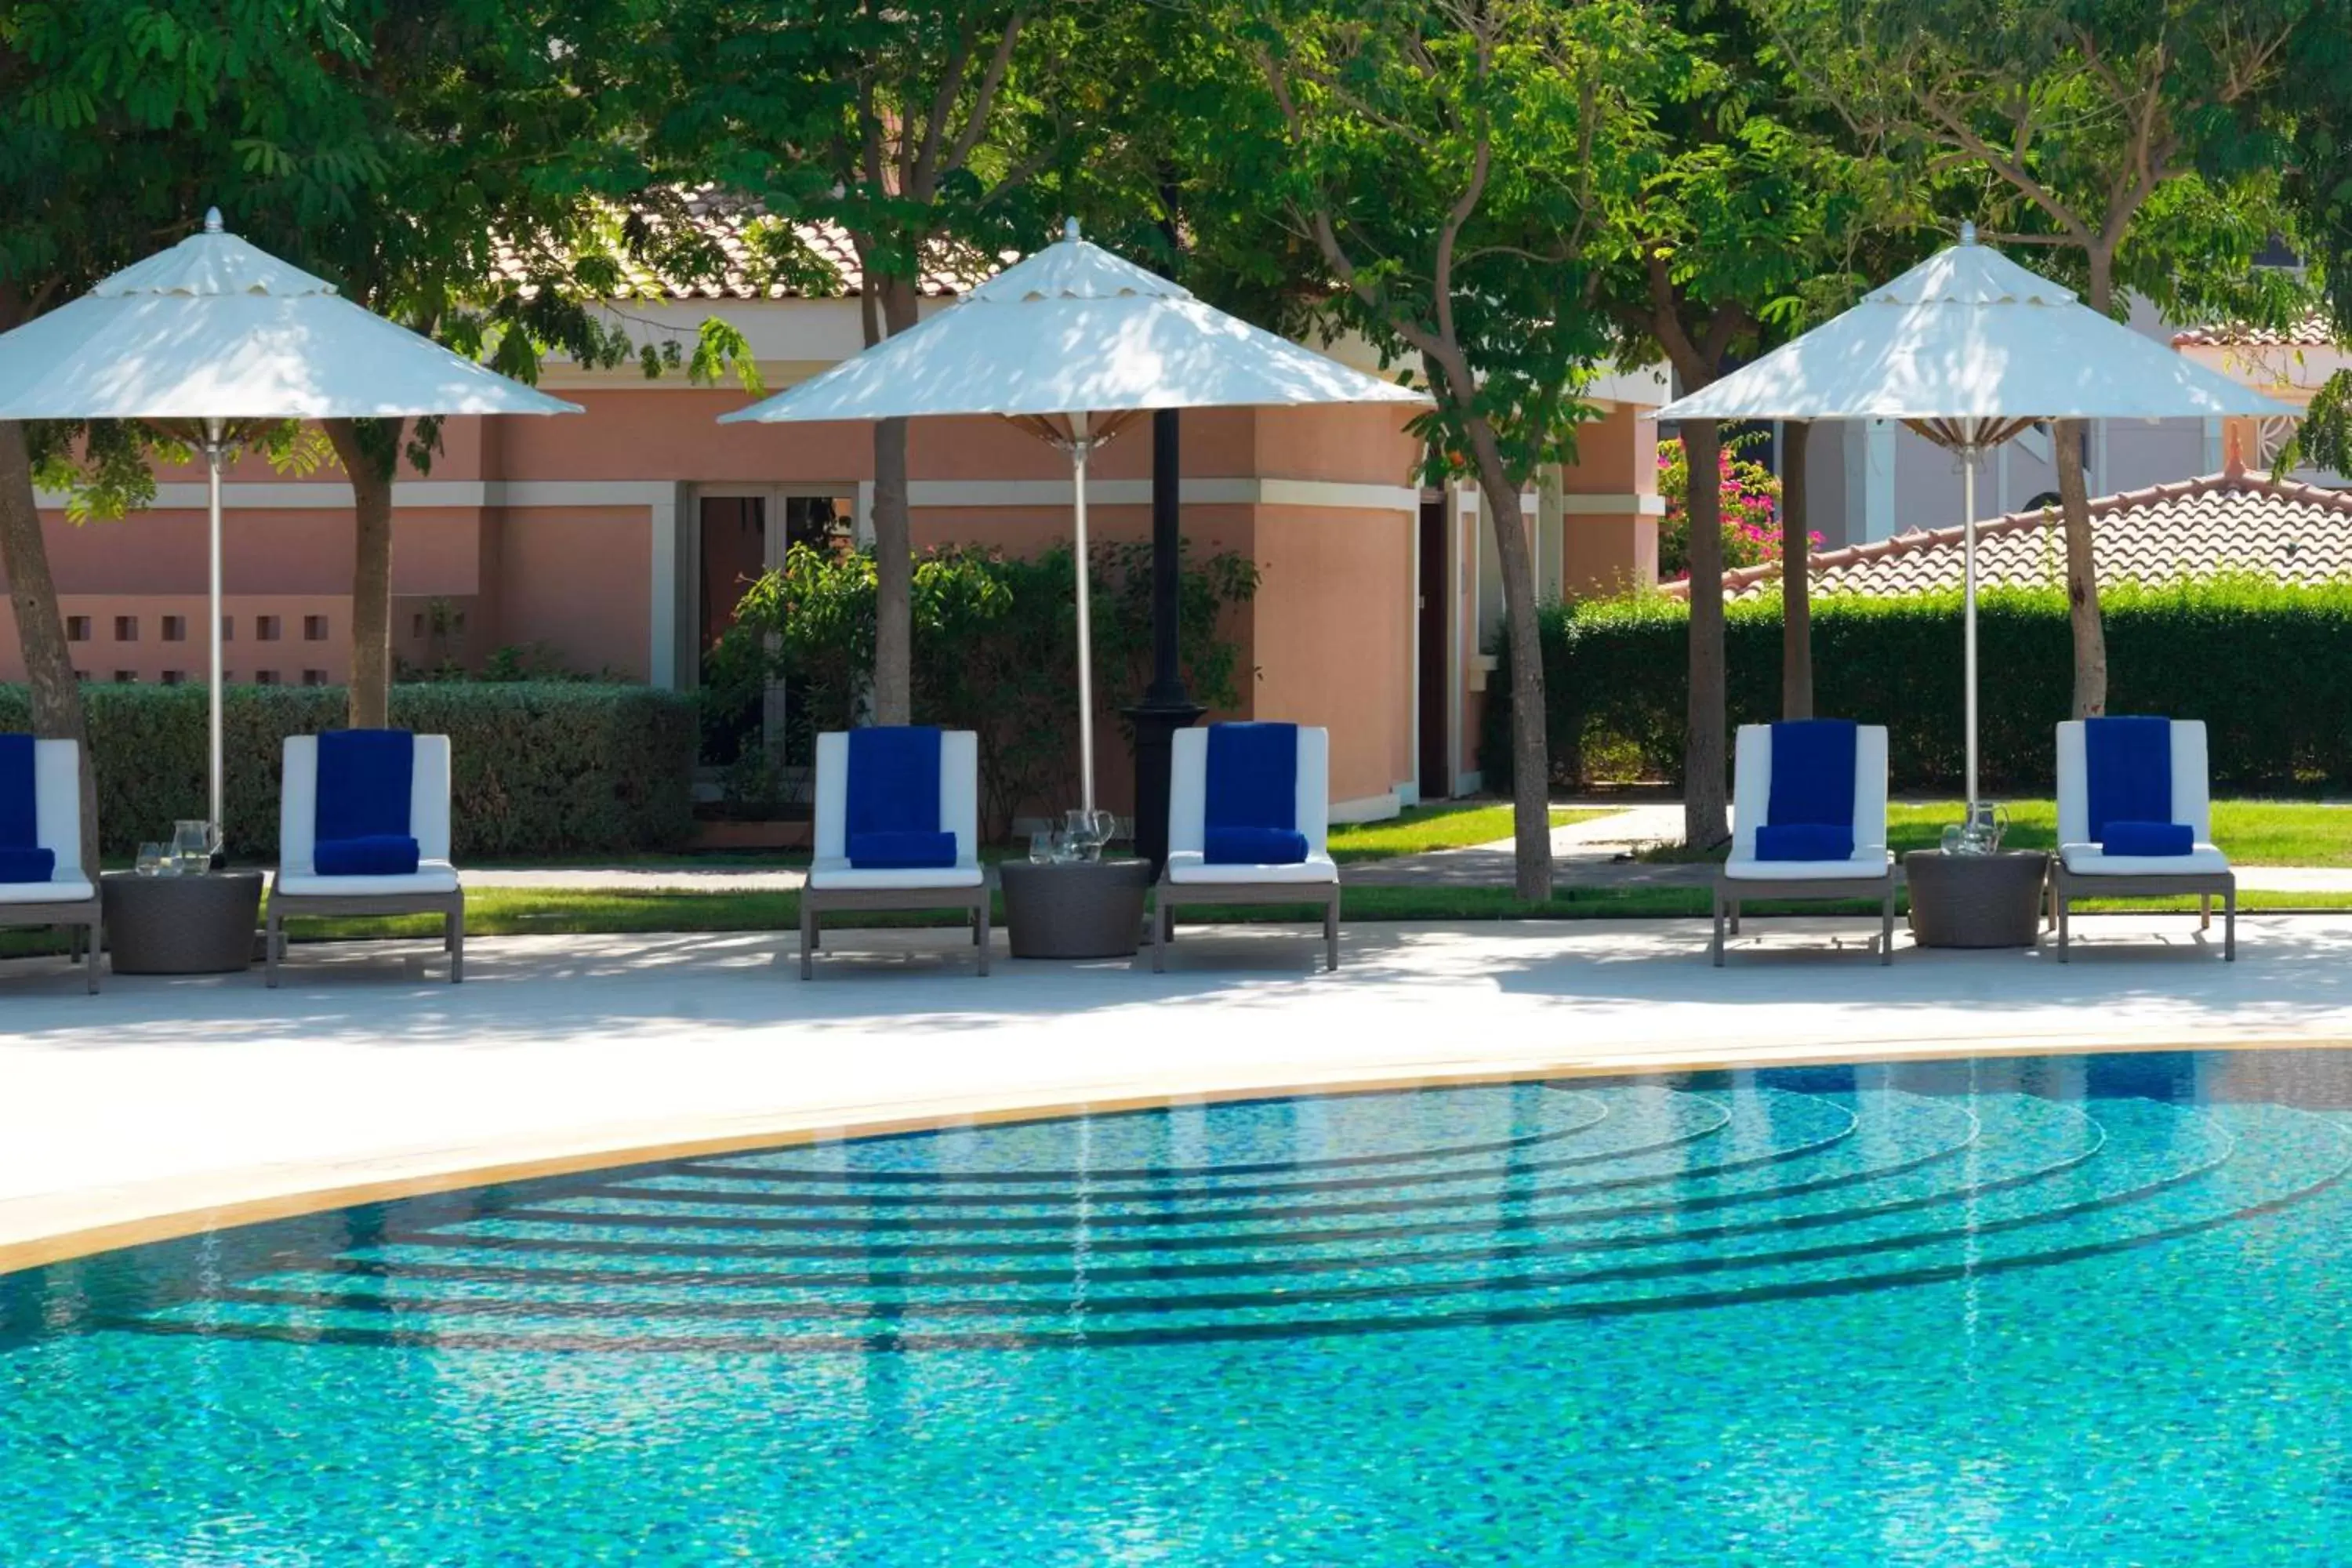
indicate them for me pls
(1079, 448)
(1968, 455)
(214, 455)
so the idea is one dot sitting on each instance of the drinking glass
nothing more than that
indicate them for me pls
(151, 859)
(1955, 839)
(1041, 847)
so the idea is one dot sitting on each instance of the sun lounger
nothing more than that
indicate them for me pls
(42, 882)
(897, 827)
(363, 829)
(1248, 822)
(1809, 820)
(2135, 820)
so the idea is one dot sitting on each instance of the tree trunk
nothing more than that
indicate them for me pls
(55, 694)
(370, 457)
(1796, 577)
(2082, 573)
(1530, 751)
(894, 563)
(1706, 808)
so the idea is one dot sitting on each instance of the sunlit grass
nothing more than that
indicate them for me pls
(1422, 828)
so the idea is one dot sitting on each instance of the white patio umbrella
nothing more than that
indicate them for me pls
(212, 339)
(1970, 350)
(1071, 344)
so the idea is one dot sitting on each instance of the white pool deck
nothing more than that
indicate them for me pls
(162, 1106)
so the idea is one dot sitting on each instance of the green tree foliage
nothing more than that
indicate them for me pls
(119, 122)
(1750, 215)
(1438, 169)
(2110, 135)
(920, 129)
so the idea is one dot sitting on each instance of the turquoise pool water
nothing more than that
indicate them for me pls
(2088, 1311)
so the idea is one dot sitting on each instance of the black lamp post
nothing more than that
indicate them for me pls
(1166, 706)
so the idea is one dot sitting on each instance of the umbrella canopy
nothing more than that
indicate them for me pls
(1071, 344)
(216, 329)
(1968, 337)
(1969, 349)
(1073, 330)
(214, 336)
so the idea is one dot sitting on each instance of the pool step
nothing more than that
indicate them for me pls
(1790, 1194)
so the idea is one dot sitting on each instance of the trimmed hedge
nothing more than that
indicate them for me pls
(541, 768)
(2267, 666)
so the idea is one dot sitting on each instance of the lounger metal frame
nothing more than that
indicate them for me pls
(1731, 891)
(1166, 897)
(2065, 887)
(817, 901)
(83, 919)
(450, 906)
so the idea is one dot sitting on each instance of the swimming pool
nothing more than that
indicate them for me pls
(2063, 1310)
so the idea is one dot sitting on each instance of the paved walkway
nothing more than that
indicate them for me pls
(160, 1104)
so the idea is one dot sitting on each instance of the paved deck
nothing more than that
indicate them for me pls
(144, 1110)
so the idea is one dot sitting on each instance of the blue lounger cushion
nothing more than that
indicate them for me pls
(2147, 838)
(1254, 846)
(1813, 775)
(901, 851)
(1249, 812)
(1803, 841)
(2127, 773)
(18, 864)
(374, 855)
(364, 779)
(890, 812)
(20, 800)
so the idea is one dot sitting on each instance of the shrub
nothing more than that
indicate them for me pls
(1751, 500)
(2267, 666)
(996, 640)
(538, 769)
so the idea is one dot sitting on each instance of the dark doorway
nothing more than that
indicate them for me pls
(1436, 627)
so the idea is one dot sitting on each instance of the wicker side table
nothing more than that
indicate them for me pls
(1976, 900)
(1074, 909)
(181, 925)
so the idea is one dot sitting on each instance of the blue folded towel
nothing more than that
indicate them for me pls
(2147, 838)
(901, 851)
(370, 855)
(1252, 777)
(1803, 841)
(364, 778)
(2127, 769)
(1254, 846)
(893, 798)
(21, 865)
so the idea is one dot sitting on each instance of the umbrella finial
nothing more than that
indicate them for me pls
(1967, 233)
(1069, 228)
(212, 220)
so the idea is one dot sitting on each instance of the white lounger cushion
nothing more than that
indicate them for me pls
(1191, 866)
(1874, 862)
(428, 824)
(958, 815)
(1751, 802)
(1188, 806)
(2191, 804)
(2088, 860)
(430, 876)
(57, 826)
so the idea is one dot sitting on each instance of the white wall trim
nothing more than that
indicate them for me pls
(662, 622)
(1369, 808)
(423, 495)
(1587, 503)
(1331, 493)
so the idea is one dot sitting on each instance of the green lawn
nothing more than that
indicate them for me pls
(2251, 832)
(1425, 827)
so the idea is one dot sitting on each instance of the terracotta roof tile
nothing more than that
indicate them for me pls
(706, 244)
(2313, 332)
(2224, 522)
